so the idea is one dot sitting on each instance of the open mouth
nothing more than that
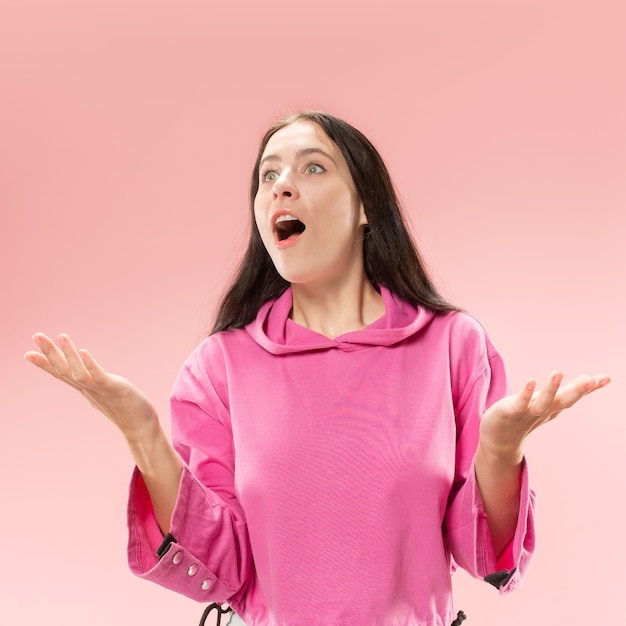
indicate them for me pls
(287, 226)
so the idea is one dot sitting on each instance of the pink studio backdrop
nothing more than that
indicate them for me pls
(127, 134)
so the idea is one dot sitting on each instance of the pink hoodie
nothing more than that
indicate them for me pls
(331, 481)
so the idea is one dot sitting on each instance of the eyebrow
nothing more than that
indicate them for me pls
(299, 155)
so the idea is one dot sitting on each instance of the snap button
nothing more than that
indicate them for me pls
(177, 558)
(193, 569)
(206, 583)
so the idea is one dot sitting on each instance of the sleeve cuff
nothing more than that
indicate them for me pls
(470, 540)
(512, 564)
(205, 556)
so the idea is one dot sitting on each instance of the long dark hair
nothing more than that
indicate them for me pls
(390, 256)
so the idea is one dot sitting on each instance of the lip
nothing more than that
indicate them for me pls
(284, 243)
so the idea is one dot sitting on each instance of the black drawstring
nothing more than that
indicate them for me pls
(460, 617)
(220, 611)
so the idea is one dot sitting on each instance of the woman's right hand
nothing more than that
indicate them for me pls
(125, 405)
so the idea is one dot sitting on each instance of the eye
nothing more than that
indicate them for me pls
(314, 168)
(268, 176)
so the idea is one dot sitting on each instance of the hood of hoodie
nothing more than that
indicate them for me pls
(275, 332)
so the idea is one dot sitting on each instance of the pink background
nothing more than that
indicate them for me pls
(127, 134)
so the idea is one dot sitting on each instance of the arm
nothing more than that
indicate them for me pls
(127, 407)
(489, 524)
(190, 496)
(208, 530)
(503, 431)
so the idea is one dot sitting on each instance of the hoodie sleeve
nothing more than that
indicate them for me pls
(479, 380)
(206, 556)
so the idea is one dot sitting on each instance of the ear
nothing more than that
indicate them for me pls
(362, 216)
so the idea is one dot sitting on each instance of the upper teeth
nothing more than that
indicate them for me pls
(286, 218)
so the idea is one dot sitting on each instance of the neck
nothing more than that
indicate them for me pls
(336, 310)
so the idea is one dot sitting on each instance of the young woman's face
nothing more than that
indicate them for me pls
(307, 210)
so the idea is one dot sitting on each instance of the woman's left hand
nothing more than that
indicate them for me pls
(503, 430)
(507, 423)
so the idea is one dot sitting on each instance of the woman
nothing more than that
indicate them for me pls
(344, 437)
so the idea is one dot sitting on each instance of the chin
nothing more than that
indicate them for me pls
(297, 276)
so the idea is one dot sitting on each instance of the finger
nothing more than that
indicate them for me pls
(78, 371)
(597, 382)
(98, 374)
(602, 380)
(42, 362)
(54, 356)
(544, 400)
(579, 387)
(524, 397)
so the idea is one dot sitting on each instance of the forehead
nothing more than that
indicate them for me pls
(298, 136)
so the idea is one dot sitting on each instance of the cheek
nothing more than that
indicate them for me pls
(350, 212)
(265, 232)
(348, 206)
(258, 215)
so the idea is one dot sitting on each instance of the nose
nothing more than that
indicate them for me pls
(284, 188)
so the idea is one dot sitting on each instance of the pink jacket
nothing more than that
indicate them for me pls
(331, 481)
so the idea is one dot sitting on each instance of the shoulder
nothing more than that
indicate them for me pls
(463, 332)
(470, 348)
(215, 347)
(206, 366)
